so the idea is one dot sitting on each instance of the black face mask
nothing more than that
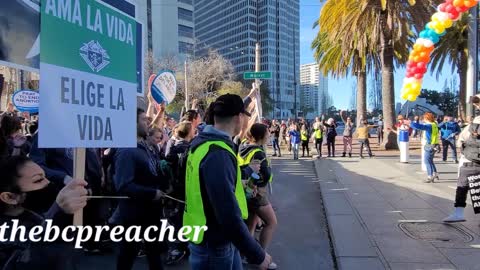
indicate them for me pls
(39, 201)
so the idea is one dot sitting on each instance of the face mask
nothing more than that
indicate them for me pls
(40, 200)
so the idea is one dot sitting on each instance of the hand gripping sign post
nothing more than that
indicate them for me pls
(88, 78)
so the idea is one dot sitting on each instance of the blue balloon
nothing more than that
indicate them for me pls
(424, 34)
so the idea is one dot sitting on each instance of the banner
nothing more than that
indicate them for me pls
(474, 187)
(89, 80)
(26, 101)
(164, 87)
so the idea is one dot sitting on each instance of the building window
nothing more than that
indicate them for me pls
(185, 14)
(185, 48)
(185, 31)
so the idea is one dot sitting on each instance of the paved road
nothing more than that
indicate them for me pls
(301, 241)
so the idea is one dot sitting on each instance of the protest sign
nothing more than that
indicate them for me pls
(89, 80)
(26, 101)
(474, 187)
(164, 87)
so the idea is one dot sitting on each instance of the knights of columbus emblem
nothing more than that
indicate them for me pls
(94, 55)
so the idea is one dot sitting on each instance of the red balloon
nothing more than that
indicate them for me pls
(422, 70)
(462, 9)
(442, 6)
(421, 65)
(411, 64)
(418, 76)
(449, 8)
(454, 14)
(448, 1)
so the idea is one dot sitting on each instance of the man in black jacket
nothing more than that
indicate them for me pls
(137, 175)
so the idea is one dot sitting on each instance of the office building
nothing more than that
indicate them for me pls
(232, 27)
(313, 88)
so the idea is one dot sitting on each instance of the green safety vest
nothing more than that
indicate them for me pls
(303, 136)
(318, 133)
(194, 214)
(435, 139)
(246, 159)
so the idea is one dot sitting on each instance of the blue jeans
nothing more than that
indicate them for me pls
(214, 258)
(429, 154)
(276, 146)
(295, 150)
(449, 143)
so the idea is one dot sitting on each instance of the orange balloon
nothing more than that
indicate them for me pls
(458, 3)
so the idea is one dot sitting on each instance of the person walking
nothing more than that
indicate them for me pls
(416, 133)
(258, 204)
(283, 133)
(380, 129)
(449, 130)
(432, 137)
(294, 140)
(219, 205)
(317, 136)
(331, 135)
(304, 139)
(347, 136)
(138, 176)
(275, 135)
(363, 131)
(468, 142)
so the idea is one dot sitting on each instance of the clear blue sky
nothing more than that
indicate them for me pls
(341, 89)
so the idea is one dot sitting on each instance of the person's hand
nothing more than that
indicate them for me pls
(73, 196)
(266, 262)
(255, 165)
(19, 140)
(150, 97)
(161, 107)
(194, 104)
(253, 93)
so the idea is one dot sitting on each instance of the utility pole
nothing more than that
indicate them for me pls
(186, 87)
(257, 81)
(472, 63)
(294, 72)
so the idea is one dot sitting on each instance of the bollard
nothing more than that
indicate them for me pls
(404, 145)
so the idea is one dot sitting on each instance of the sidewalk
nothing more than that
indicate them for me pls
(372, 204)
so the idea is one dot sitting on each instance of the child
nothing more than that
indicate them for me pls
(304, 138)
(295, 140)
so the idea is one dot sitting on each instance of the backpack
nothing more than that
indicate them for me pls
(471, 147)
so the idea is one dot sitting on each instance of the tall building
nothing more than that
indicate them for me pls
(168, 26)
(313, 90)
(234, 26)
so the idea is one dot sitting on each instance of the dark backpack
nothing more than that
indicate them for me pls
(471, 147)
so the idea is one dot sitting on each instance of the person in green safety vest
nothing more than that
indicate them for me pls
(432, 136)
(317, 136)
(214, 193)
(258, 203)
(304, 139)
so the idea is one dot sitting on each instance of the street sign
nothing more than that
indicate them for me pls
(257, 75)
(88, 81)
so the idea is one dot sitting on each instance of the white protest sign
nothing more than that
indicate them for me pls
(26, 101)
(164, 87)
(88, 75)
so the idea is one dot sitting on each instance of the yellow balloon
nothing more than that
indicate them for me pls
(447, 23)
(439, 29)
(411, 98)
(416, 87)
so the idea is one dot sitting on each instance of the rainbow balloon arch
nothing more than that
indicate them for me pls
(447, 13)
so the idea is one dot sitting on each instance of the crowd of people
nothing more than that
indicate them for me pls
(174, 174)
(38, 184)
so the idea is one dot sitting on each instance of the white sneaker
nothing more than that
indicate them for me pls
(272, 266)
(456, 216)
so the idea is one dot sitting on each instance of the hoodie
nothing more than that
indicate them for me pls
(218, 176)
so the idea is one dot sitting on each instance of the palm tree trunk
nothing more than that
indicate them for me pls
(388, 90)
(462, 74)
(361, 96)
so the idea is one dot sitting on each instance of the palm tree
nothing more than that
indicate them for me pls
(341, 50)
(454, 49)
(384, 34)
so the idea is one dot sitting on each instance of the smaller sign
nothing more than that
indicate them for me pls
(474, 187)
(26, 100)
(164, 87)
(257, 75)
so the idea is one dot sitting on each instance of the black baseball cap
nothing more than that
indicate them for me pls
(229, 105)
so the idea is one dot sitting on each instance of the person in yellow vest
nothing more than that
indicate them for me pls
(214, 194)
(317, 136)
(432, 137)
(304, 139)
(258, 203)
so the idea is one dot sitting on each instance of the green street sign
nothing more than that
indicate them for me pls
(257, 75)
